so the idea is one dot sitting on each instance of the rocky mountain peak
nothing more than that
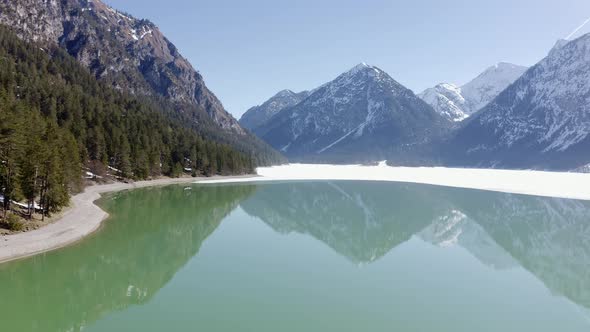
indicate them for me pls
(361, 112)
(447, 100)
(457, 103)
(258, 115)
(485, 87)
(360, 67)
(284, 94)
(131, 54)
(363, 68)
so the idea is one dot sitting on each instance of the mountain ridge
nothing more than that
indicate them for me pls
(540, 121)
(362, 110)
(459, 102)
(133, 55)
(260, 114)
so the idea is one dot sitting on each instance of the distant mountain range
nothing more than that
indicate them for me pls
(540, 121)
(508, 117)
(457, 103)
(363, 114)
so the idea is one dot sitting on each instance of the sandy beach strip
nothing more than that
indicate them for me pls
(81, 219)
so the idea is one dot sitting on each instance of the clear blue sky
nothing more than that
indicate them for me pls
(249, 50)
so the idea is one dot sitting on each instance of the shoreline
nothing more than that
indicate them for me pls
(84, 218)
(80, 220)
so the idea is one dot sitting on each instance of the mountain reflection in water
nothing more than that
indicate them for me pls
(153, 233)
(363, 221)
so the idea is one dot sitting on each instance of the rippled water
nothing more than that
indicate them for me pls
(313, 256)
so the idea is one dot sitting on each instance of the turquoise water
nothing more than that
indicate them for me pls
(313, 256)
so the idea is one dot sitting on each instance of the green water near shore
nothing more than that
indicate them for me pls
(313, 256)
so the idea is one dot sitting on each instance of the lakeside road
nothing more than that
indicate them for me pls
(81, 219)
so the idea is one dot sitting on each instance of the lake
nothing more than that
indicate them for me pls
(313, 256)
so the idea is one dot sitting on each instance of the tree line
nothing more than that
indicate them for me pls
(56, 119)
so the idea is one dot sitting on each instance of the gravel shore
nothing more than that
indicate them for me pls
(80, 220)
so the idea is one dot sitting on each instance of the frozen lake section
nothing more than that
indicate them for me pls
(528, 182)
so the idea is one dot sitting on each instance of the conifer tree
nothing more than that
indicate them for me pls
(10, 150)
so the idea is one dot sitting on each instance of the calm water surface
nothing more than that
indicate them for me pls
(321, 256)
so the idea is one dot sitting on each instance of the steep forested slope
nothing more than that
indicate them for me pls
(55, 117)
(134, 56)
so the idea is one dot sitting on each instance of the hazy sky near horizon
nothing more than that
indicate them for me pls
(249, 50)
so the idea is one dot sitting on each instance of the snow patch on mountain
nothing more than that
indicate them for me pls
(557, 91)
(447, 100)
(458, 103)
(485, 87)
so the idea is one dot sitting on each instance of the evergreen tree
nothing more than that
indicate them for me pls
(10, 149)
(30, 163)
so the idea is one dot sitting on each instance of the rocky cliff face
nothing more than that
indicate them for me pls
(129, 53)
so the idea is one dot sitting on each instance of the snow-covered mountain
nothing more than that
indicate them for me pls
(362, 115)
(258, 115)
(447, 100)
(484, 88)
(540, 121)
(457, 103)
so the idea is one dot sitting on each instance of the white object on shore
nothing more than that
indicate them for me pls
(90, 175)
(114, 169)
(22, 205)
(538, 183)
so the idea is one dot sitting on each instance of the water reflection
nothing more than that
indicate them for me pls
(155, 232)
(160, 230)
(360, 220)
(363, 221)
(550, 237)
